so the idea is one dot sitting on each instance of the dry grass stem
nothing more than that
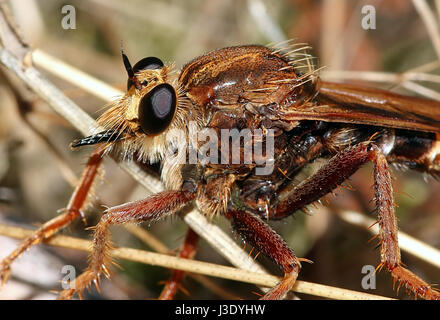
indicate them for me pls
(73, 75)
(160, 247)
(267, 26)
(198, 267)
(431, 23)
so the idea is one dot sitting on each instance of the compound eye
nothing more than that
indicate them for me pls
(150, 63)
(157, 108)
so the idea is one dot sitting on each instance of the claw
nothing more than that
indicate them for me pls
(84, 281)
(66, 294)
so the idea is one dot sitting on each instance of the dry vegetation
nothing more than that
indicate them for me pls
(37, 168)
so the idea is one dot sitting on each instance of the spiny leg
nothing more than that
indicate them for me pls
(390, 251)
(254, 230)
(150, 209)
(260, 235)
(72, 211)
(338, 169)
(187, 251)
(325, 180)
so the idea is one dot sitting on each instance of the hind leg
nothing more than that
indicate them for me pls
(390, 251)
(335, 172)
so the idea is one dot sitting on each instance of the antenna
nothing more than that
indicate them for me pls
(127, 64)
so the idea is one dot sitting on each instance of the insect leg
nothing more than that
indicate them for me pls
(73, 211)
(390, 251)
(255, 231)
(339, 168)
(187, 251)
(332, 174)
(150, 209)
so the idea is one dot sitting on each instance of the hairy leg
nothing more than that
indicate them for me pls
(390, 251)
(150, 209)
(330, 176)
(260, 235)
(187, 251)
(335, 172)
(73, 210)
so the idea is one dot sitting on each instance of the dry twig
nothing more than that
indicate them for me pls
(198, 267)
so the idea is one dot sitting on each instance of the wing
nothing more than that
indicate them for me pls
(363, 105)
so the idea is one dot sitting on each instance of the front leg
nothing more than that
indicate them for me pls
(74, 210)
(150, 209)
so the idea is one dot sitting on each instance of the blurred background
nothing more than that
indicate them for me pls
(34, 141)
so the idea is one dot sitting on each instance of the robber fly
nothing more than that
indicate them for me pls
(277, 91)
